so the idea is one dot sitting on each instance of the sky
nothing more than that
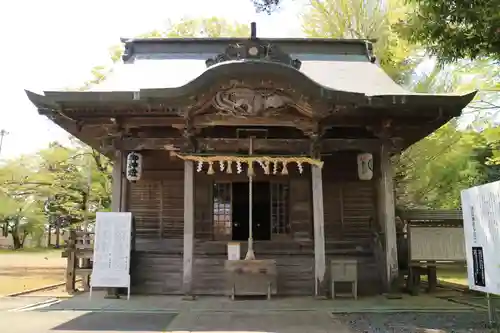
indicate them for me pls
(53, 44)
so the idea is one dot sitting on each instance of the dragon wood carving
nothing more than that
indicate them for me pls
(244, 102)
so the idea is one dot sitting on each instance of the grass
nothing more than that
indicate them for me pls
(453, 275)
(30, 250)
(26, 269)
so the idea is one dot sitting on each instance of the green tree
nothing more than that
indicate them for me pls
(204, 27)
(361, 19)
(432, 172)
(186, 28)
(21, 213)
(57, 187)
(454, 29)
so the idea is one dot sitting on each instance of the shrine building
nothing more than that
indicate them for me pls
(284, 144)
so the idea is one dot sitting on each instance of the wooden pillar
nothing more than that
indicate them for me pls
(320, 284)
(187, 276)
(386, 216)
(116, 198)
(124, 186)
(117, 182)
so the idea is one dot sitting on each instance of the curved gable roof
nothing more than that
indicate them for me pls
(174, 71)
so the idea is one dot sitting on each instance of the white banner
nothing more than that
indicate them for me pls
(112, 246)
(481, 212)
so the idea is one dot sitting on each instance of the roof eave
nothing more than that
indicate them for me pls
(242, 39)
(452, 103)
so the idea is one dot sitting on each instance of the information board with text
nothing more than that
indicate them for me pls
(481, 213)
(112, 246)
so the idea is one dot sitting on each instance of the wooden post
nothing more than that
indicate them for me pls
(116, 190)
(320, 287)
(124, 189)
(71, 262)
(387, 217)
(187, 276)
(116, 199)
(160, 212)
(432, 280)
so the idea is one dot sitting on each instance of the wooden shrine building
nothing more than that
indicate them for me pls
(312, 122)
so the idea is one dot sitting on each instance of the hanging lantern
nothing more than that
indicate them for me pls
(365, 166)
(134, 166)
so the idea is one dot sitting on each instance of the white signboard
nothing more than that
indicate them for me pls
(112, 245)
(233, 251)
(481, 212)
(439, 244)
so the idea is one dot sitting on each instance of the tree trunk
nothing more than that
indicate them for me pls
(16, 239)
(58, 231)
(49, 232)
(25, 234)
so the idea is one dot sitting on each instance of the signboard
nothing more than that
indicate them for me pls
(437, 243)
(112, 245)
(481, 212)
(233, 251)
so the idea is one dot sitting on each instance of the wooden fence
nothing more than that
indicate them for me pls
(79, 254)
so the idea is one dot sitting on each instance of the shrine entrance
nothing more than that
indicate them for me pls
(261, 211)
(269, 213)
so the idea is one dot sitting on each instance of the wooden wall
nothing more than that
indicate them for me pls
(157, 204)
(160, 272)
(157, 199)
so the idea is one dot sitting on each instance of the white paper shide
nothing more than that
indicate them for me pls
(481, 213)
(112, 246)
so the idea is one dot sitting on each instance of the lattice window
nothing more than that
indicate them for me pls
(222, 209)
(280, 221)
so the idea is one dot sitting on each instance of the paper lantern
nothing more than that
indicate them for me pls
(365, 166)
(134, 166)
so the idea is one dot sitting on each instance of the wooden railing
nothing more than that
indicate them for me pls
(79, 254)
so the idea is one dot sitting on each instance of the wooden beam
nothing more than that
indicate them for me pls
(320, 286)
(386, 216)
(285, 119)
(232, 144)
(133, 122)
(187, 276)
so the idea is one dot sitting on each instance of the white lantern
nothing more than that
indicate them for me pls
(134, 166)
(365, 166)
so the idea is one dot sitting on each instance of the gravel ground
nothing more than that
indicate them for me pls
(417, 322)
